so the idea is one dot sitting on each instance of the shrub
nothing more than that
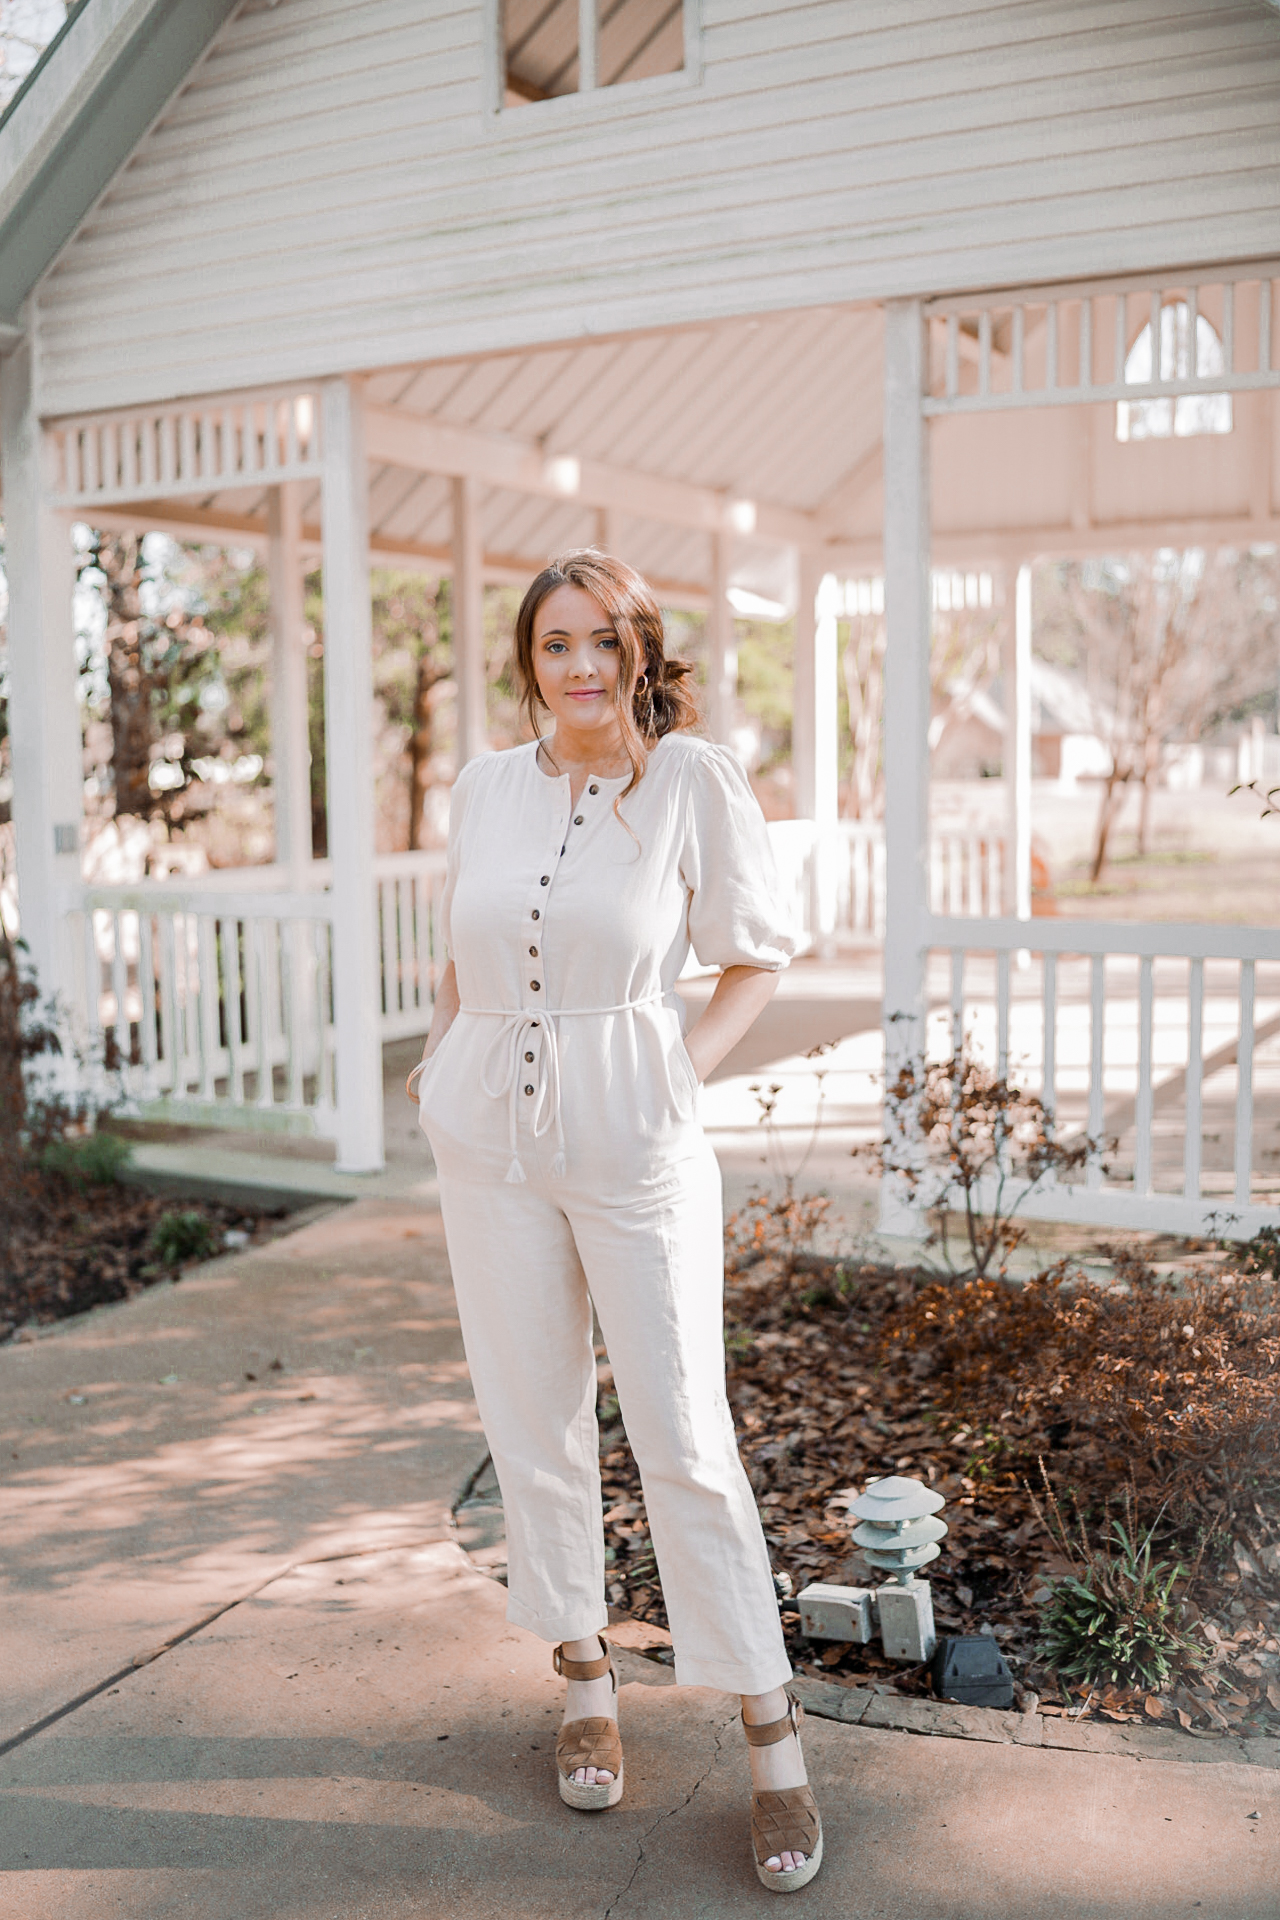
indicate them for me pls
(1117, 1619)
(1169, 1384)
(97, 1160)
(961, 1137)
(182, 1236)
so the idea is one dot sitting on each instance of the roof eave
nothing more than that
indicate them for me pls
(97, 89)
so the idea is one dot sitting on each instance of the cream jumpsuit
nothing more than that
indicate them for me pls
(561, 1111)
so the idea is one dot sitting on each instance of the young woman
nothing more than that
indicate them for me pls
(559, 1097)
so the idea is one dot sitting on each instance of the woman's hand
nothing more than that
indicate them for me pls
(443, 1015)
(741, 996)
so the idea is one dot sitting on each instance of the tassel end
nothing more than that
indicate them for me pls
(515, 1174)
(558, 1167)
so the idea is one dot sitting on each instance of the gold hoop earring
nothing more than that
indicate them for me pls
(642, 683)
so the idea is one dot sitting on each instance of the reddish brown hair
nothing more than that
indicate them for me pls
(652, 696)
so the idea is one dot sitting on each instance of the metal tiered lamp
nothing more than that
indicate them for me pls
(898, 1530)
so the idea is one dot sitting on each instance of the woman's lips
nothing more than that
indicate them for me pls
(586, 693)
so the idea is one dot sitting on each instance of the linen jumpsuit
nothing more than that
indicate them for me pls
(561, 1110)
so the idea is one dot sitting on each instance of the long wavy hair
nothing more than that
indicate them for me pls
(652, 696)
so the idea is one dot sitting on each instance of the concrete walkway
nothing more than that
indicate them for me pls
(365, 1738)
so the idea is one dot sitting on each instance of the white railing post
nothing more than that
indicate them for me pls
(467, 607)
(722, 646)
(1017, 748)
(815, 754)
(290, 749)
(348, 660)
(906, 713)
(44, 713)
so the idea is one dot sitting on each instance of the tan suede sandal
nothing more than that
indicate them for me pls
(786, 1820)
(589, 1743)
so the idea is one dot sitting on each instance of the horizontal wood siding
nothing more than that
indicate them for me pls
(327, 192)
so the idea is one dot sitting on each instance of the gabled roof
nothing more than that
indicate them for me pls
(79, 115)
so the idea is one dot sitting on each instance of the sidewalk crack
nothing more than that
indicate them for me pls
(668, 1813)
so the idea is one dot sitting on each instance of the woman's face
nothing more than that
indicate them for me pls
(576, 659)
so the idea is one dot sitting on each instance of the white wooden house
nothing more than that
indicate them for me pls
(857, 283)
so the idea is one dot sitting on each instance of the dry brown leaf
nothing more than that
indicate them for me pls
(1153, 1707)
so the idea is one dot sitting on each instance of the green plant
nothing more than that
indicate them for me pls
(95, 1160)
(1117, 1620)
(181, 1236)
(1262, 1253)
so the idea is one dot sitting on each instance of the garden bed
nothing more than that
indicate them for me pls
(1031, 1410)
(79, 1245)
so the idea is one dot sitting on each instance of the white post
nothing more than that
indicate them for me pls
(468, 621)
(606, 533)
(722, 647)
(348, 704)
(906, 714)
(806, 722)
(290, 746)
(815, 743)
(1017, 749)
(44, 714)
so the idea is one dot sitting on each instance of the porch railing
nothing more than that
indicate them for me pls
(1162, 1042)
(835, 883)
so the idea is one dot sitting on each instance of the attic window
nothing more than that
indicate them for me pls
(1185, 414)
(554, 47)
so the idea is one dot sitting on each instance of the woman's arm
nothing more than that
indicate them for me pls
(741, 996)
(443, 1015)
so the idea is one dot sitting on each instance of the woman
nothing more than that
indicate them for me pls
(559, 1099)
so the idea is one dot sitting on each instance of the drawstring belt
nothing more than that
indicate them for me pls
(508, 1043)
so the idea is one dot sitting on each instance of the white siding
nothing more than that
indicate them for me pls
(327, 193)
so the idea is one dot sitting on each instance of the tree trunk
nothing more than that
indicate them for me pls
(1108, 814)
(132, 686)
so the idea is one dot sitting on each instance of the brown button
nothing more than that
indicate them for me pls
(528, 1089)
(534, 952)
(536, 914)
(536, 985)
(577, 819)
(546, 878)
(529, 1058)
(593, 789)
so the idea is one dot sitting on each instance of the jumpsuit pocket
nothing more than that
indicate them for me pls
(687, 1069)
(430, 1071)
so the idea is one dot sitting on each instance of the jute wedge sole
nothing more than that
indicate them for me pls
(589, 1743)
(785, 1820)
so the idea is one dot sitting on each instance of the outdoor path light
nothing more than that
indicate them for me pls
(898, 1531)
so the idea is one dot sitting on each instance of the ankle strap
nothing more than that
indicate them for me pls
(583, 1669)
(768, 1734)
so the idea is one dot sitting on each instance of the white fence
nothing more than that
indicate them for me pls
(835, 884)
(1163, 1042)
(213, 1002)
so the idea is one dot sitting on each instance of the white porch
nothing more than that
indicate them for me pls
(787, 454)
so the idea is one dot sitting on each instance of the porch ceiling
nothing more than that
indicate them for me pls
(670, 429)
(782, 411)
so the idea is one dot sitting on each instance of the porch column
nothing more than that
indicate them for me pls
(1017, 750)
(348, 702)
(606, 533)
(906, 711)
(815, 744)
(44, 714)
(290, 746)
(468, 621)
(722, 647)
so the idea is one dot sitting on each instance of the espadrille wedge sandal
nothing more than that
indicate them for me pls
(786, 1820)
(589, 1743)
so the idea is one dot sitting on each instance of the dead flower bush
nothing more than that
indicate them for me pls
(1174, 1381)
(961, 1137)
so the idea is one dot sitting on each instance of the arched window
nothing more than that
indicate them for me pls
(1190, 412)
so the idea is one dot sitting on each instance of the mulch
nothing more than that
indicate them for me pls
(823, 1400)
(84, 1247)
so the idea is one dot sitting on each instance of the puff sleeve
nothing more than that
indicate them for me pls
(735, 918)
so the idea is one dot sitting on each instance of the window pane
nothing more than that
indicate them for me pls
(540, 39)
(639, 38)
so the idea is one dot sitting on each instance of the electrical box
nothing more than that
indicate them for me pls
(971, 1668)
(837, 1613)
(906, 1621)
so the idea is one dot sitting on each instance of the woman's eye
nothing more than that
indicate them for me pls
(610, 643)
(555, 646)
